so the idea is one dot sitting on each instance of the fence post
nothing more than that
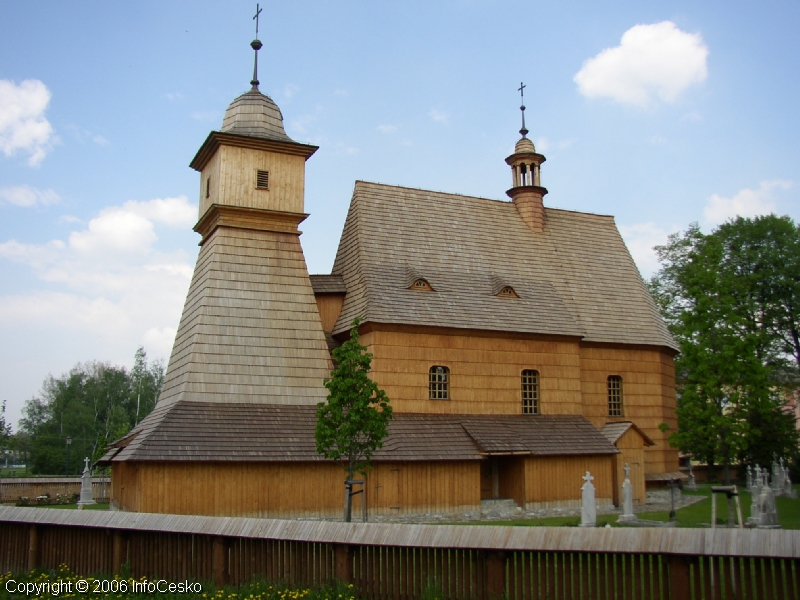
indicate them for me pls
(495, 574)
(679, 584)
(220, 562)
(34, 547)
(343, 563)
(119, 553)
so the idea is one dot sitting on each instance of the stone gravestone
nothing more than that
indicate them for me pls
(627, 497)
(788, 490)
(86, 486)
(777, 477)
(749, 478)
(692, 485)
(588, 507)
(768, 518)
(755, 502)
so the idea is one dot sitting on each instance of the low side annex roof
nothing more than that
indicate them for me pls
(575, 278)
(214, 432)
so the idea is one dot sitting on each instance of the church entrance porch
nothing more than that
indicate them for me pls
(503, 478)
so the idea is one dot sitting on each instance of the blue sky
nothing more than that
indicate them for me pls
(658, 113)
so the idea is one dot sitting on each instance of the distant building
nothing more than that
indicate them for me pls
(518, 344)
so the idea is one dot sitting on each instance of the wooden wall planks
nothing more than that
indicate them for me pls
(557, 480)
(233, 180)
(292, 489)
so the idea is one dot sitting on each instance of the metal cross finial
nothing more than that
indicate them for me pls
(524, 130)
(256, 45)
(255, 18)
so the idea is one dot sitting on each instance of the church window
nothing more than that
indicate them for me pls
(262, 180)
(421, 284)
(439, 383)
(614, 396)
(208, 187)
(507, 292)
(530, 392)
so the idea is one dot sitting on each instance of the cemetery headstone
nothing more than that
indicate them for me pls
(692, 485)
(86, 486)
(588, 507)
(627, 497)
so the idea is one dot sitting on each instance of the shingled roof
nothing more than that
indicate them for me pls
(575, 278)
(246, 432)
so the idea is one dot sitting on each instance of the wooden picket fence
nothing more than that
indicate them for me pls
(386, 561)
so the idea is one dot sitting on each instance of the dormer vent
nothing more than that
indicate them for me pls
(262, 180)
(422, 285)
(507, 292)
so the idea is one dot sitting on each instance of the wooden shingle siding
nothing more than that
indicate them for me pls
(251, 329)
(574, 278)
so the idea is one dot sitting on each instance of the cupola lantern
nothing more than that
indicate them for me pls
(527, 192)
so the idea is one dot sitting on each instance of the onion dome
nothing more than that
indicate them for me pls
(255, 114)
(524, 145)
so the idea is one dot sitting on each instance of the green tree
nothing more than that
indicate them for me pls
(91, 405)
(5, 431)
(352, 424)
(730, 299)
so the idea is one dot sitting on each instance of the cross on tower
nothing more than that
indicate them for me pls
(524, 131)
(588, 477)
(255, 18)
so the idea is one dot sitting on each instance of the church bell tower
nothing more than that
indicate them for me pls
(250, 330)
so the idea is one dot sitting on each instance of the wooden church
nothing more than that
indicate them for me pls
(517, 343)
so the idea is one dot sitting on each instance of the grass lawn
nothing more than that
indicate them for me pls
(97, 506)
(696, 515)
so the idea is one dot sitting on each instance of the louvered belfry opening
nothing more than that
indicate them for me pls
(262, 180)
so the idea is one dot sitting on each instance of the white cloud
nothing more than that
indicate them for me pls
(387, 128)
(341, 93)
(25, 195)
(174, 96)
(109, 282)
(23, 125)
(651, 60)
(439, 116)
(746, 203)
(130, 228)
(640, 239)
(159, 340)
(175, 212)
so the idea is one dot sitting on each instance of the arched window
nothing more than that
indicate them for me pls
(439, 383)
(421, 284)
(614, 396)
(530, 392)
